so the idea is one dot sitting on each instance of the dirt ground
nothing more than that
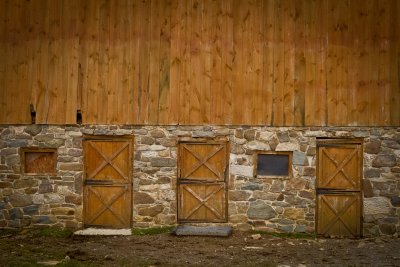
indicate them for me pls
(241, 249)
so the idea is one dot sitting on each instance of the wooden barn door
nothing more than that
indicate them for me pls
(202, 182)
(339, 199)
(107, 184)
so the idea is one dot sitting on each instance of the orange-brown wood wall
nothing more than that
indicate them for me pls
(272, 62)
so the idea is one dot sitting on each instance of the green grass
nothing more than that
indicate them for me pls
(50, 232)
(286, 235)
(152, 231)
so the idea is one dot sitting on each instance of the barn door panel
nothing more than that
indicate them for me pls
(202, 182)
(339, 215)
(202, 202)
(340, 167)
(203, 162)
(107, 206)
(339, 199)
(107, 184)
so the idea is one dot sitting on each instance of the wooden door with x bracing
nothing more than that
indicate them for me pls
(339, 199)
(107, 184)
(202, 182)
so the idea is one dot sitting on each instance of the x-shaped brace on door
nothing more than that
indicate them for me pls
(108, 161)
(340, 166)
(107, 206)
(338, 216)
(203, 202)
(203, 161)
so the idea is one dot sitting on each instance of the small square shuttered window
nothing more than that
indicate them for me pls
(276, 164)
(39, 161)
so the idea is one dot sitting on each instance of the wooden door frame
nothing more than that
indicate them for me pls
(226, 174)
(127, 138)
(337, 142)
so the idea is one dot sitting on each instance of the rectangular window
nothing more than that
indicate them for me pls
(274, 164)
(39, 161)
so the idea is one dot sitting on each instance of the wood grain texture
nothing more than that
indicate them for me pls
(199, 62)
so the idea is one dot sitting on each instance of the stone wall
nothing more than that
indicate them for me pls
(275, 204)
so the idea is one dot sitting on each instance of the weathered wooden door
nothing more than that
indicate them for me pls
(339, 199)
(107, 182)
(202, 182)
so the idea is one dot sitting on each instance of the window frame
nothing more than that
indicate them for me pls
(38, 150)
(290, 170)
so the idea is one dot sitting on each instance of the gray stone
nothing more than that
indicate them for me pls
(300, 228)
(252, 186)
(44, 137)
(391, 144)
(8, 151)
(151, 211)
(145, 140)
(249, 135)
(239, 133)
(70, 166)
(33, 129)
(295, 184)
(189, 230)
(309, 171)
(241, 170)
(273, 143)
(376, 205)
(163, 162)
(384, 161)
(45, 187)
(239, 195)
(203, 134)
(15, 214)
(260, 210)
(257, 145)
(287, 147)
(373, 147)
(75, 152)
(31, 210)
(55, 143)
(311, 151)
(73, 199)
(42, 219)
(18, 143)
(142, 198)
(294, 213)
(23, 183)
(283, 137)
(13, 160)
(395, 201)
(168, 142)
(307, 194)
(367, 188)
(237, 149)
(277, 186)
(157, 133)
(20, 200)
(372, 173)
(286, 228)
(299, 158)
(387, 229)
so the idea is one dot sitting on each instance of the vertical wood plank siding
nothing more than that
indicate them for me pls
(195, 62)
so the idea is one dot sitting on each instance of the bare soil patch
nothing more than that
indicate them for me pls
(241, 249)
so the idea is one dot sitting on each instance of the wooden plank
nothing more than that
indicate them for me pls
(278, 89)
(176, 64)
(196, 53)
(268, 61)
(304, 61)
(3, 59)
(166, 94)
(215, 37)
(227, 63)
(289, 56)
(394, 64)
(382, 15)
(185, 79)
(134, 49)
(240, 15)
(205, 61)
(144, 61)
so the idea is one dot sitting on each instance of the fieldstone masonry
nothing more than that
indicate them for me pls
(276, 204)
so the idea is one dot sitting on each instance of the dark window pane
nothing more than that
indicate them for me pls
(273, 165)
